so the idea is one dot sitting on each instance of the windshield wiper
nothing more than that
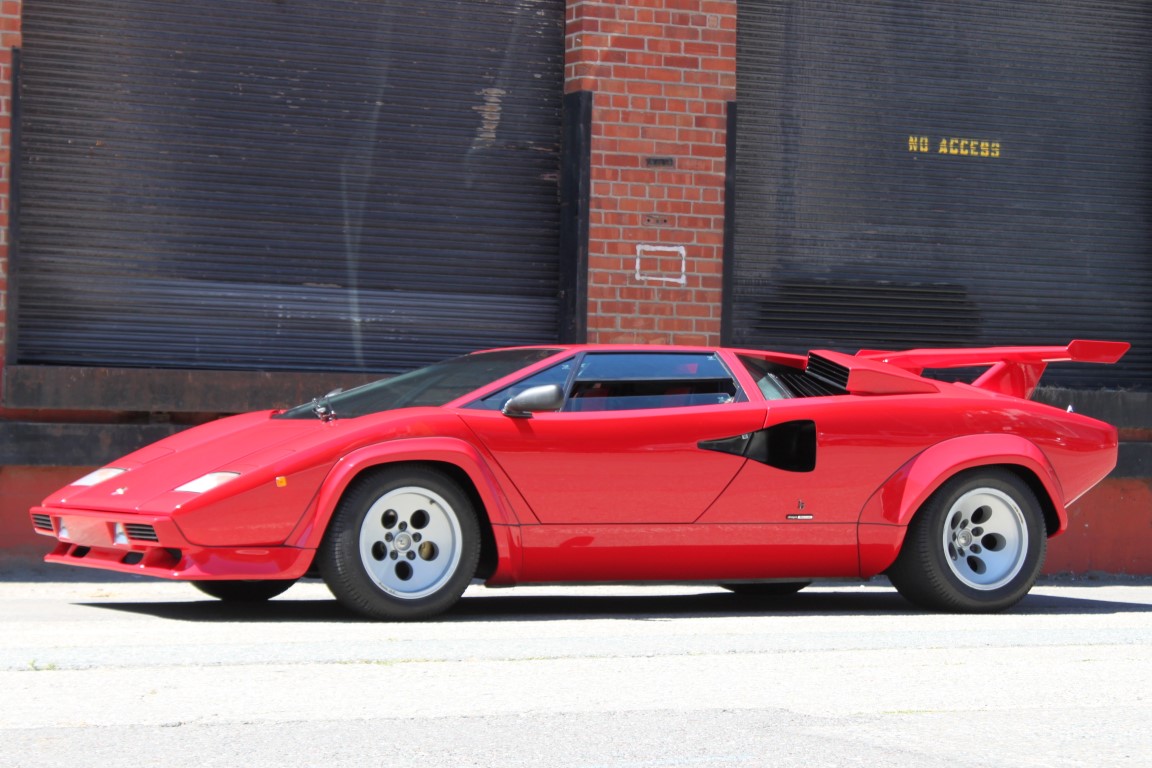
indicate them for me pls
(322, 407)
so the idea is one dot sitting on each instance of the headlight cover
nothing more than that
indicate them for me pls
(208, 482)
(99, 476)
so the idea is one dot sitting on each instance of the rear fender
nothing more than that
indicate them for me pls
(885, 517)
(441, 450)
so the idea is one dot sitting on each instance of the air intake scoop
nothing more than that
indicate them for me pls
(863, 376)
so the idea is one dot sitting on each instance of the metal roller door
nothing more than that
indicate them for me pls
(936, 173)
(290, 185)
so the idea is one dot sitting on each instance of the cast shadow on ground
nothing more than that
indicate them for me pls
(512, 607)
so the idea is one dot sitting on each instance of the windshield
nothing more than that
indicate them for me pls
(432, 386)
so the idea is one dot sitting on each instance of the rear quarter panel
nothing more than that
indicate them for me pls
(879, 458)
(1067, 453)
(1063, 454)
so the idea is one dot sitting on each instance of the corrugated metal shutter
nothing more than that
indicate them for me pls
(288, 185)
(945, 173)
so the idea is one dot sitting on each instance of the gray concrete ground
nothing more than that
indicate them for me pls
(101, 670)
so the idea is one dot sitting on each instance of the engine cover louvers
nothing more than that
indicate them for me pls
(827, 371)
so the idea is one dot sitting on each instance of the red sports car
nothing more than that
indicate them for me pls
(757, 471)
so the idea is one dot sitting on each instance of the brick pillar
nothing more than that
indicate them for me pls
(661, 73)
(9, 39)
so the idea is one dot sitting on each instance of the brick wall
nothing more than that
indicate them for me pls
(9, 39)
(662, 73)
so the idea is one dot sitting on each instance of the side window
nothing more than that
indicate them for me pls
(557, 374)
(769, 377)
(616, 381)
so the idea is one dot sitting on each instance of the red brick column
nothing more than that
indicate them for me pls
(662, 73)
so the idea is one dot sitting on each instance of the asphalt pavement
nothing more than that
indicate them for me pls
(105, 670)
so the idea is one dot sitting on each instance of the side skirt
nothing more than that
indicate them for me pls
(679, 553)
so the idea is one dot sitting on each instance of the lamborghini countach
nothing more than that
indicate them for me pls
(756, 471)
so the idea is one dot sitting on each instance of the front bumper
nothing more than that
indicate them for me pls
(154, 546)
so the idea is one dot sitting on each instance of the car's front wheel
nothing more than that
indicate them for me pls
(976, 545)
(403, 544)
(244, 591)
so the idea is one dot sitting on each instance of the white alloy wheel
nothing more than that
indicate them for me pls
(976, 545)
(985, 539)
(403, 543)
(410, 542)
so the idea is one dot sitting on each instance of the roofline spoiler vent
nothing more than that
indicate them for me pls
(860, 376)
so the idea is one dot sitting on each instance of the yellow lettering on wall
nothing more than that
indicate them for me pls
(918, 144)
(949, 145)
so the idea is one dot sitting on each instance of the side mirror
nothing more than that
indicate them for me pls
(548, 397)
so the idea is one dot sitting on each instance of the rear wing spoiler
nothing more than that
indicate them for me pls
(1011, 370)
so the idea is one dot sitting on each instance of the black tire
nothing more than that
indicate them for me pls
(403, 544)
(976, 546)
(244, 591)
(767, 588)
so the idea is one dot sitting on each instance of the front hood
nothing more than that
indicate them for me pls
(236, 444)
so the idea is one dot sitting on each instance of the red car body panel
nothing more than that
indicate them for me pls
(607, 496)
(678, 553)
(563, 466)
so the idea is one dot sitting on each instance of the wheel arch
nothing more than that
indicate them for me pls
(459, 460)
(489, 550)
(1055, 518)
(885, 517)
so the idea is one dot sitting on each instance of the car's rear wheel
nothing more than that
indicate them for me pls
(976, 545)
(767, 588)
(403, 544)
(244, 591)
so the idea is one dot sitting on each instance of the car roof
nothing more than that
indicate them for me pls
(637, 347)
